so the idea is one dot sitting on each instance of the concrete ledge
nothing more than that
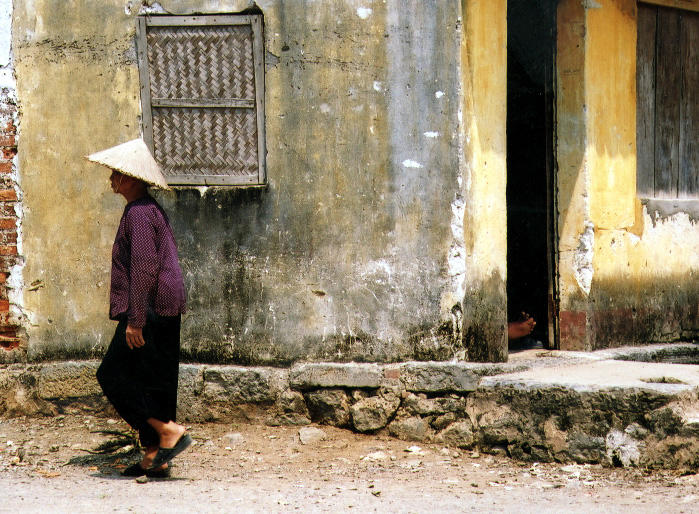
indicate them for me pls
(352, 375)
(606, 375)
(433, 377)
(243, 385)
(414, 376)
(77, 379)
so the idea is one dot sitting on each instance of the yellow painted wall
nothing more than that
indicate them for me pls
(610, 98)
(78, 92)
(628, 274)
(484, 111)
(573, 175)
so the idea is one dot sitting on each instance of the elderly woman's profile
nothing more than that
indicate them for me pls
(139, 371)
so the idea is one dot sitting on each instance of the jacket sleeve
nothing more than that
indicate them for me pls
(143, 265)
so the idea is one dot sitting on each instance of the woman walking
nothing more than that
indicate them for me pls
(139, 371)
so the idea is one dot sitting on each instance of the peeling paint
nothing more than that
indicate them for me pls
(409, 163)
(431, 134)
(457, 249)
(591, 4)
(143, 7)
(583, 257)
(664, 209)
(364, 12)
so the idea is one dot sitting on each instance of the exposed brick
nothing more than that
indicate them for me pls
(8, 195)
(8, 237)
(573, 325)
(8, 249)
(7, 261)
(9, 343)
(8, 224)
(391, 373)
(7, 210)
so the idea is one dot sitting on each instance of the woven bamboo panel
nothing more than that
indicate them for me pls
(206, 141)
(206, 62)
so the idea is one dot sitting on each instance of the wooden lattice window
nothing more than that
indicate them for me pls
(667, 102)
(202, 96)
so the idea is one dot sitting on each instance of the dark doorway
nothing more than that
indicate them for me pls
(531, 275)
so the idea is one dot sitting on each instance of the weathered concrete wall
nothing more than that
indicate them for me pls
(628, 274)
(356, 250)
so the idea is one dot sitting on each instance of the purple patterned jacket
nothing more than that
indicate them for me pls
(146, 273)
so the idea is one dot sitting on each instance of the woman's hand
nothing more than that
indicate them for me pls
(134, 337)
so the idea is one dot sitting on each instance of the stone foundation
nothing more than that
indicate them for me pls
(465, 405)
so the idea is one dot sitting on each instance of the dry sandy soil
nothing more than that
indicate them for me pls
(45, 466)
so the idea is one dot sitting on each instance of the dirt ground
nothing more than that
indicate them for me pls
(45, 466)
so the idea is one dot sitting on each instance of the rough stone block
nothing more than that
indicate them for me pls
(189, 388)
(421, 405)
(329, 406)
(352, 375)
(583, 447)
(290, 409)
(374, 413)
(413, 428)
(243, 385)
(432, 377)
(459, 434)
(68, 380)
(443, 421)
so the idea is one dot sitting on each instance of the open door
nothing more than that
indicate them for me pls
(531, 187)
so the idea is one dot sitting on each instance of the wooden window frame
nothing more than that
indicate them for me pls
(147, 103)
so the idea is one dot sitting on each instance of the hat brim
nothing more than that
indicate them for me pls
(133, 159)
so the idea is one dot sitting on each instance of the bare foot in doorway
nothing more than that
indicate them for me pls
(520, 328)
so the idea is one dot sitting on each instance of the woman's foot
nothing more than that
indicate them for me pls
(170, 433)
(144, 467)
(147, 460)
(173, 441)
(521, 328)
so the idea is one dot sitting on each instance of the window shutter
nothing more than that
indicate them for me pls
(667, 106)
(202, 91)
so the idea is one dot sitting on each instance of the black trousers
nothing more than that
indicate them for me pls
(142, 383)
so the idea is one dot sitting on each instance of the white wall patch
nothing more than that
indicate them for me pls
(409, 163)
(364, 12)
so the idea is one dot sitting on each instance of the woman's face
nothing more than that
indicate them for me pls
(116, 179)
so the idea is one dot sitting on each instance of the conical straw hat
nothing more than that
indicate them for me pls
(133, 159)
